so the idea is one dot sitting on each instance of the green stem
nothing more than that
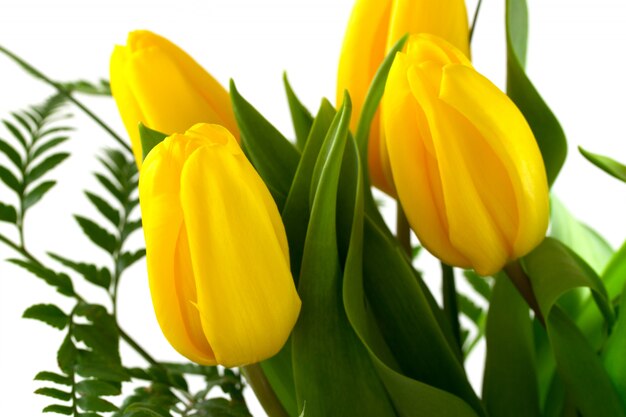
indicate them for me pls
(403, 231)
(263, 390)
(474, 20)
(518, 277)
(450, 302)
(62, 90)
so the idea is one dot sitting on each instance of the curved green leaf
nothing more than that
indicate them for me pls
(410, 397)
(614, 354)
(510, 382)
(546, 128)
(606, 164)
(300, 116)
(273, 156)
(332, 371)
(553, 271)
(8, 213)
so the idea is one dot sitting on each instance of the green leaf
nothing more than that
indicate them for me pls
(614, 276)
(112, 188)
(98, 276)
(102, 88)
(15, 132)
(97, 388)
(11, 153)
(10, 180)
(8, 213)
(91, 403)
(579, 237)
(48, 145)
(67, 355)
(613, 356)
(546, 128)
(54, 393)
(37, 193)
(149, 139)
(22, 121)
(104, 208)
(553, 271)
(273, 156)
(129, 258)
(45, 166)
(59, 409)
(323, 326)
(130, 227)
(49, 314)
(411, 398)
(98, 235)
(300, 116)
(61, 282)
(606, 164)
(510, 382)
(296, 211)
(53, 377)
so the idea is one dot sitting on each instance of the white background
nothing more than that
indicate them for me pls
(576, 59)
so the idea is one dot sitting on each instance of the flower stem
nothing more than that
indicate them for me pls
(62, 90)
(403, 231)
(475, 19)
(263, 390)
(518, 277)
(450, 303)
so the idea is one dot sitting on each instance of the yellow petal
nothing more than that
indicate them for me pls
(415, 170)
(172, 283)
(125, 100)
(472, 230)
(214, 95)
(507, 133)
(246, 297)
(446, 19)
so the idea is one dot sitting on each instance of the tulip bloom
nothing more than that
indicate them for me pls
(155, 82)
(217, 254)
(466, 166)
(374, 27)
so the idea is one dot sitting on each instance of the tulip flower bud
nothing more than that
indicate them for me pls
(374, 27)
(217, 254)
(466, 166)
(155, 82)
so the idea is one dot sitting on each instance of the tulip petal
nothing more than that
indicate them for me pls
(364, 48)
(472, 230)
(125, 100)
(169, 267)
(507, 133)
(415, 169)
(168, 101)
(444, 18)
(246, 297)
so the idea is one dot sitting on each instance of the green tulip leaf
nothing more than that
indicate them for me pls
(332, 371)
(300, 116)
(614, 276)
(613, 356)
(546, 128)
(296, 211)
(410, 396)
(510, 382)
(606, 164)
(554, 270)
(149, 139)
(279, 369)
(273, 156)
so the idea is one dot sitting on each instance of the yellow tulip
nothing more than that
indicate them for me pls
(374, 27)
(155, 82)
(466, 166)
(217, 254)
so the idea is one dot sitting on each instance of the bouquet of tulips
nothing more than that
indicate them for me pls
(270, 263)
